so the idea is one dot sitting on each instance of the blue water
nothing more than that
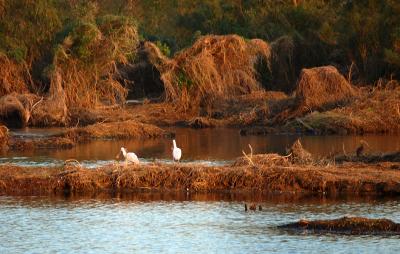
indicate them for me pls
(138, 225)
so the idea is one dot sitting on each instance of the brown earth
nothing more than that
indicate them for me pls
(345, 225)
(257, 174)
(115, 130)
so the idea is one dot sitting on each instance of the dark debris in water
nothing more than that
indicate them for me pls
(345, 225)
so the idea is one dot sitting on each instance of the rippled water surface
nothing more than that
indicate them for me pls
(181, 225)
(212, 146)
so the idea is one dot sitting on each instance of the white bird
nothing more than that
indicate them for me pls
(129, 157)
(176, 152)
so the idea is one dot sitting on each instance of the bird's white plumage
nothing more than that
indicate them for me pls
(129, 157)
(176, 152)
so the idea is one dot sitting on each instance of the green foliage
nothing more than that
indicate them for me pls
(163, 48)
(184, 81)
(338, 32)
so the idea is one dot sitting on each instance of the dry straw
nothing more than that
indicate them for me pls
(214, 67)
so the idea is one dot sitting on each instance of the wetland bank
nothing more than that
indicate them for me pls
(273, 104)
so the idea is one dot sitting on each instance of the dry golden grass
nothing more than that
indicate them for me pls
(40, 143)
(88, 77)
(12, 76)
(115, 130)
(15, 109)
(265, 174)
(322, 88)
(51, 110)
(346, 225)
(374, 111)
(3, 136)
(214, 67)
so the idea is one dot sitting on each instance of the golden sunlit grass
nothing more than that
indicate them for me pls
(214, 67)
(265, 173)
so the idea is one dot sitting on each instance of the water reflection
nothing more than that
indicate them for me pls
(219, 144)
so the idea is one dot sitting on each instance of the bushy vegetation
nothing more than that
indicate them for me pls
(364, 34)
(84, 41)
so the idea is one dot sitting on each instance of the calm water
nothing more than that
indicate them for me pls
(185, 223)
(188, 225)
(212, 146)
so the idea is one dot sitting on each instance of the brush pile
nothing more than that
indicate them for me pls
(85, 62)
(15, 109)
(214, 67)
(322, 88)
(374, 111)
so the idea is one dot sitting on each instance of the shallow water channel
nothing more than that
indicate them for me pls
(189, 224)
(209, 146)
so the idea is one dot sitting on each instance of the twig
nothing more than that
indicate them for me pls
(72, 160)
(34, 105)
(350, 74)
(251, 155)
(344, 151)
(304, 124)
(76, 125)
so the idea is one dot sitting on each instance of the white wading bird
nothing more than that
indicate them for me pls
(176, 152)
(129, 157)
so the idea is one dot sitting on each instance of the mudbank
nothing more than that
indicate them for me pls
(345, 225)
(268, 173)
(70, 137)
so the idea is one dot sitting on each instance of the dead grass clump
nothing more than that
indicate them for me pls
(346, 225)
(52, 110)
(214, 67)
(373, 111)
(41, 143)
(28, 180)
(78, 180)
(322, 88)
(268, 160)
(299, 155)
(13, 112)
(12, 76)
(116, 130)
(87, 58)
(3, 136)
